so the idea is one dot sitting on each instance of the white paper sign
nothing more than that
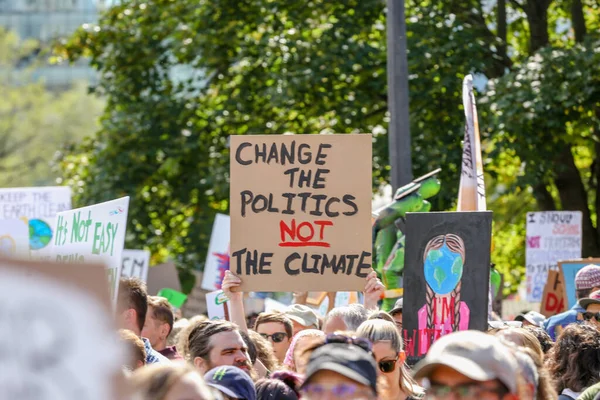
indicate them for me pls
(272, 305)
(14, 238)
(93, 234)
(60, 341)
(216, 304)
(40, 206)
(135, 264)
(217, 259)
(552, 236)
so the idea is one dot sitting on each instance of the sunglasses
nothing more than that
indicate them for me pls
(277, 337)
(387, 366)
(360, 342)
(589, 315)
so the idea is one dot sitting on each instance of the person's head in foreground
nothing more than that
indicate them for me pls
(302, 317)
(277, 329)
(282, 385)
(159, 322)
(390, 356)
(574, 361)
(174, 381)
(587, 280)
(592, 308)
(211, 344)
(346, 318)
(342, 367)
(521, 337)
(294, 359)
(232, 382)
(469, 365)
(542, 336)
(531, 318)
(132, 305)
(136, 351)
(396, 313)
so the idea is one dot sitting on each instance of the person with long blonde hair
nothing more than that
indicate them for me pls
(390, 357)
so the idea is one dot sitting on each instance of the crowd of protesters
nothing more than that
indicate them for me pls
(355, 352)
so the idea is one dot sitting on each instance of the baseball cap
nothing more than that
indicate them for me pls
(232, 381)
(346, 359)
(532, 317)
(397, 307)
(477, 355)
(594, 298)
(303, 315)
(588, 277)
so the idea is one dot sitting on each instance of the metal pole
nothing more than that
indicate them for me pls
(397, 73)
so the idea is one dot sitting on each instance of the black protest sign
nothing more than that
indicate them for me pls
(446, 276)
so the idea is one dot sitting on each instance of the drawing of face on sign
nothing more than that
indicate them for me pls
(443, 312)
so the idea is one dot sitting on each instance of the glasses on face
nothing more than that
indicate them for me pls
(277, 337)
(387, 366)
(589, 315)
(360, 342)
(348, 390)
(466, 391)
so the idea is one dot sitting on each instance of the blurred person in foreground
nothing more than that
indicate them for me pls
(232, 382)
(277, 328)
(469, 365)
(132, 306)
(158, 326)
(175, 381)
(294, 361)
(542, 336)
(587, 281)
(136, 351)
(340, 367)
(282, 385)
(390, 357)
(574, 361)
(521, 337)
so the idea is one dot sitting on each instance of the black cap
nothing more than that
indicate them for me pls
(346, 359)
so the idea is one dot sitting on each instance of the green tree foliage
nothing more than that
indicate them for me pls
(180, 76)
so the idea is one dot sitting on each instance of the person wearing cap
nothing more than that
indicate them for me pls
(531, 318)
(592, 308)
(396, 314)
(469, 365)
(232, 382)
(587, 281)
(302, 317)
(342, 367)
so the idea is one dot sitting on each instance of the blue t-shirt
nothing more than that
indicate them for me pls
(562, 320)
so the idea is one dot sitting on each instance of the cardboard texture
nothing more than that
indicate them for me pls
(163, 276)
(554, 298)
(217, 259)
(301, 212)
(568, 270)
(93, 234)
(135, 263)
(552, 236)
(58, 313)
(447, 268)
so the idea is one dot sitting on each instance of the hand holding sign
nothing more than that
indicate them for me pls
(374, 290)
(231, 286)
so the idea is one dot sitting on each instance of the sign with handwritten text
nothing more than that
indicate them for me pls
(135, 264)
(301, 212)
(94, 234)
(552, 236)
(40, 206)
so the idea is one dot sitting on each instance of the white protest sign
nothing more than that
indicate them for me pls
(94, 234)
(217, 259)
(135, 264)
(216, 306)
(552, 236)
(14, 238)
(272, 305)
(40, 206)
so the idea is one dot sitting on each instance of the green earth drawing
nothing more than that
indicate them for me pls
(40, 234)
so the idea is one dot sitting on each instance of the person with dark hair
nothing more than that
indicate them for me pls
(542, 336)
(136, 351)
(158, 326)
(587, 281)
(264, 351)
(574, 361)
(132, 305)
(282, 385)
(277, 328)
(210, 344)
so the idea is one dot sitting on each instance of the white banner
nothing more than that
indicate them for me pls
(217, 259)
(14, 238)
(216, 305)
(552, 236)
(135, 264)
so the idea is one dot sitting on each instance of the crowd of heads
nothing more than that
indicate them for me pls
(353, 353)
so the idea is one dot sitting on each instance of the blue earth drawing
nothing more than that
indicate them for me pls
(443, 269)
(40, 234)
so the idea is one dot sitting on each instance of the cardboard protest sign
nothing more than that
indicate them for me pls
(217, 259)
(552, 236)
(447, 268)
(554, 298)
(568, 270)
(58, 324)
(216, 305)
(163, 276)
(135, 263)
(301, 212)
(94, 234)
(40, 206)
(14, 238)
